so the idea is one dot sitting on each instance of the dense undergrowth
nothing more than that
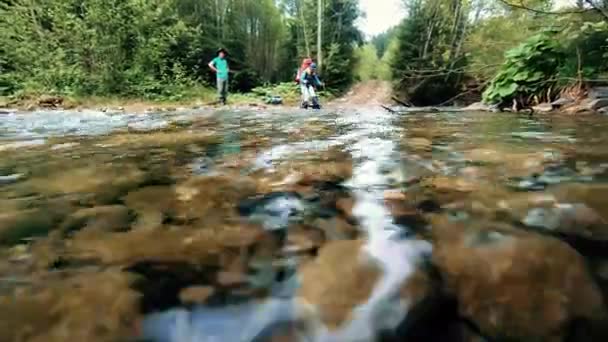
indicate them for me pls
(527, 51)
(159, 50)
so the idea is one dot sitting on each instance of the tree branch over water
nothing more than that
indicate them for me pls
(521, 5)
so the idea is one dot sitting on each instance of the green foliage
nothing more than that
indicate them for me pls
(490, 39)
(530, 69)
(158, 49)
(426, 65)
(585, 44)
(382, 41)
(369, 66)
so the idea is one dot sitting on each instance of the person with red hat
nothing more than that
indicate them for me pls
(305, 64)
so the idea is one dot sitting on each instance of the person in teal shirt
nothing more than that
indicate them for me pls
(220, 66)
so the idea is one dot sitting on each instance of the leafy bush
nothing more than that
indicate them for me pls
(529, 69)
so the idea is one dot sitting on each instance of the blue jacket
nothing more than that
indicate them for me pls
(310, 78)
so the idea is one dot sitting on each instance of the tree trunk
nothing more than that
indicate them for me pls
(303, 20)
(320, 33)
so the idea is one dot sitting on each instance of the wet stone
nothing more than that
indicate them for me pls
(15, 226)
(515, 285)
(111, 218)
(575, 219)
(10, 179)
(195, 294)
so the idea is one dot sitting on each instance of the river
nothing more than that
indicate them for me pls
(272, 224)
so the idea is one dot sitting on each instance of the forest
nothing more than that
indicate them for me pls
(443, 52)
(160, 48)
(501, 50)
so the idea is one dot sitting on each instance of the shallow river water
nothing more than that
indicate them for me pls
(284, 225)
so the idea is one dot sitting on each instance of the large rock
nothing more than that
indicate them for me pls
(478, 106)
(598, 93)
(110, 218)
(543, 108)
(21, 224)
(419, 144)
(594, 104)
(100, 306)
(347, 295)
(50, 101)
(561, 102)
(153, 205)
(574, 219)
(515, 285)
(105, 183)
(207, 201)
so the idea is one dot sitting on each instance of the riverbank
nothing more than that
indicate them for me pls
(279, 94)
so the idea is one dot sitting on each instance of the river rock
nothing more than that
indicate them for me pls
(106, 183)
(561, 102)
(196, 294)
(50, 101)
(419, 144)
(603, 110)
(210, 200)
(341, 293)
(304, 240)
(111, 218)
(598, 93)
(543, 108)
(21, 224)
(568, 219)
(101, 306)
(151, 213)
(478, 107)
(10, 179)
(515, 285)
(594, 104)
(336, 228)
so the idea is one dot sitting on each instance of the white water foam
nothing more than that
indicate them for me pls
(398, 258)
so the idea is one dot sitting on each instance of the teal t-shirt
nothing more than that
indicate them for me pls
(221, 64)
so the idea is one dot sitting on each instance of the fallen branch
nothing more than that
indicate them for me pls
(481, 86)
(389, 109)
(403, 103)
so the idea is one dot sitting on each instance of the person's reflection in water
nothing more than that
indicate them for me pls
(231, 139)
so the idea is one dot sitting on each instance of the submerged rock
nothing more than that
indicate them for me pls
(109, 218)
(206, 201)
(154, 205)
(569, 220)
(21, 224)
(516, 285)
(346, 294)
(87, 306)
